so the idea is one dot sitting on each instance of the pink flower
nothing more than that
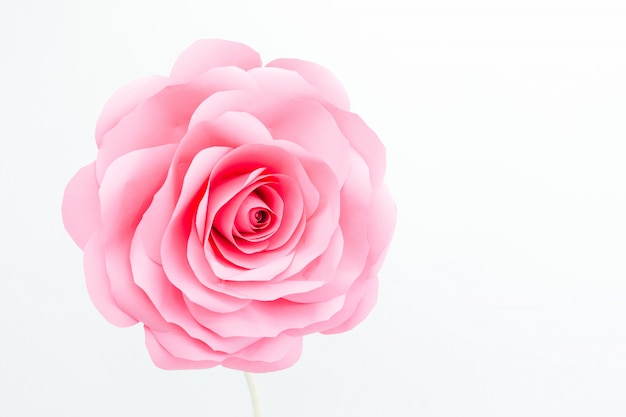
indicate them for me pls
(232, 209)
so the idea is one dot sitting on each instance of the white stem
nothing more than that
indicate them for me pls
(254, 394)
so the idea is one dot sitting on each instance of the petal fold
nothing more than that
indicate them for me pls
(81, 205)
(205, 54)
(319, 77)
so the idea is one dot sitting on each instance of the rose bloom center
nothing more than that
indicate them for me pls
(259, 217)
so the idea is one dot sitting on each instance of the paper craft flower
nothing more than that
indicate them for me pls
(232, 209)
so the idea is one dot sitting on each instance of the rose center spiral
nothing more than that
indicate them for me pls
(259, 217)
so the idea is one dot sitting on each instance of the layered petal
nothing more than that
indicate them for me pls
(206, 54)
(306, 123)
(99, 287)
(124, 100)
(81, 205)
(319, 77)
(164, 117)
(126, 191)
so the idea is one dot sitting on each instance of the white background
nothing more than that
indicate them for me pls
(504, 292)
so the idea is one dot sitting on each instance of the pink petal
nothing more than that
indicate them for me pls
(382, 224)
(165, 360)
(328, 271)
(178, 236)
(352, 298)
(205, 54)
(319, 77)
(130, 298)
(304, 122)
(356, 308)
(160, 120)
(269, 291)
(262, 319)
(125, 193)
(362, 296)
(181, 270)
(309, 125)
(225, 201)
(266, 365)
(216, 275)
(180, 345)
(356, 195)
(285, 229)
(81, 205)
(164, 117)
(230, 128)
(98, 286)
(284, 82)
(124, 100)
(269, 264)
(365, 142)
(246, 221)
(276, 161)
(322, 223)
(269, 349)
(129, 186)
(168, 299)
(158, 216)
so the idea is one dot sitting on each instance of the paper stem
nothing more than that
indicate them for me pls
(254, 394)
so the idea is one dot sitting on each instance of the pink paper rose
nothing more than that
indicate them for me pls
(232, 209)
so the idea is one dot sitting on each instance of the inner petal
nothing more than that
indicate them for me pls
(259, 217)
(253, 214)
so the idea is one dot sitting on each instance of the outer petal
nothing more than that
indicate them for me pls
(81, 205)
(126, 192)
(262, 319)
(179, 344)
(284, 82)
(205, 54)
(245, 364)
(98, 285)
(124, 101)
(353, 220)
(169, 301)
(319, 77)
(129, 186)
(164, 117)
(165, 360)
(356, 308)
(365, 142)
(362, 297)
(382, 223)
(307, 123)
